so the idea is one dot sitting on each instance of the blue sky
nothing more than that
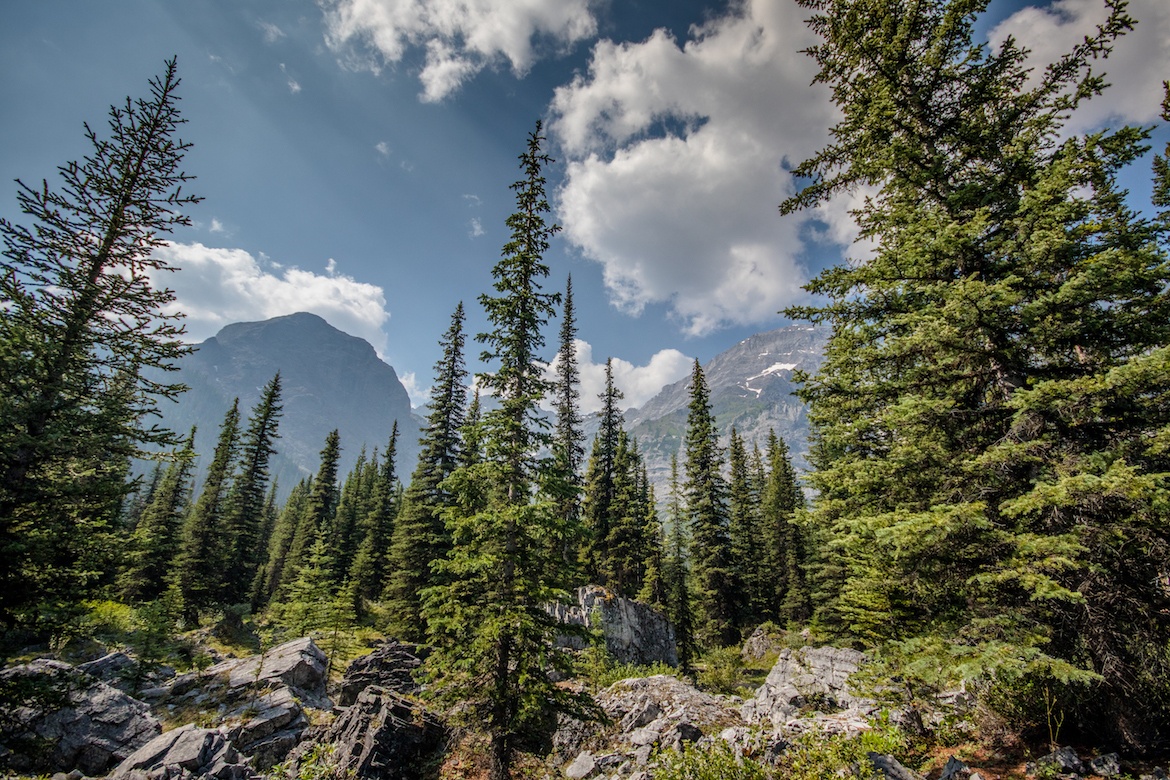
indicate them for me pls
(355, 155)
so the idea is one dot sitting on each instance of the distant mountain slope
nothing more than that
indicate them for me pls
(330, 380)
(751, 389)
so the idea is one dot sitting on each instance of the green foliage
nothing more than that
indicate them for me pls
(599, 670)
(815, 756)
(82, 322)
(993, 412)
(721, 670)
(713, 761)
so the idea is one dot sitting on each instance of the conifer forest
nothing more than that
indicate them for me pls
(986, 509)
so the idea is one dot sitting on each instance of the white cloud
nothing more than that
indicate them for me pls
(638, 383)
(419, 396)
(271, 32)
(216, 226)
(674, 165)
(1135, 69)
(382, 148)
(216, 287)
(460, 37)
(294, 86)
(476, 228)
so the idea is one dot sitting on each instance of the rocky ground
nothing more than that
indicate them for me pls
(274, 714)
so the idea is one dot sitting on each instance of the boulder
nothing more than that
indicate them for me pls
(889, 768)
(1064, 760)
(762, 642)
(185, 752)
(634, 633)
(808, 678)
(299, 664)
(70, 720)
(1107, 765)
(391, 665)
(382, 735)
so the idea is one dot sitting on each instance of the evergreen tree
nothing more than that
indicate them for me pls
(785, 549)
(568, 447)
(717, 594)
(654, 585)
(310, 602)
(154, 543)
(368, 572)
(320, 506)
(492, 635)
(599, 480)
(143, 495)
(676, 572)
(198, 571)
(993, 406)
(353, 503)
(420, 537)
(268, 578)
(744, 531)
(627, 548)
(82, 323)
(244, 510)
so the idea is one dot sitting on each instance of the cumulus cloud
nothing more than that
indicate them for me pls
(675, 155)
(419, 396)
(215, 287)
(382, 148)
(638, 383)
(459, 38)
(1135, 69)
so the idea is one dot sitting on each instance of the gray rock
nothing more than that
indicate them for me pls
(185, 751)
(954, 770)
(763, 642)
(584, 765)
(643, 736)
(810, 676)
(1064, 759)
(1108, 765)
(890, 768)
(1157, 773)
(299, 663)
(391, 665)
(75, 722)
(383, 735)
(634, 632)
(115, 669)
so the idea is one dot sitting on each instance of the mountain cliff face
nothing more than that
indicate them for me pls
(751, 389)
(329, 380)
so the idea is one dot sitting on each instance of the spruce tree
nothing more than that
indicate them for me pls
(785, 548)
(368, 571)
(84, 323)
(599, 481)
(317, 517)
(198, 571)
(487, 621)
(992, 409)
(718, 595)
(244, 509)
(420, 537)
(746, 542)
(153, 545)
(676, 572)
(568, 438)
(268, 578)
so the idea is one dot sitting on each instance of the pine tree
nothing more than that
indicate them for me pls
(717, 594)
(268, 578)
(568, 438)
(785, 548)
(420, 537)
(82, 326)
(599, 481)
(492, 635)
(245, 503)
(993, 406)
(654, 585)
(368, 572)
(155, 541)
(676, 572)
(198, 571)
(320, 506)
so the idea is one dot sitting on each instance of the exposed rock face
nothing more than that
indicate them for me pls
(809, 677)
(383, 735)
(185, 752)
(762, 642)
(634, 632)
(75, 722)
(391, 665)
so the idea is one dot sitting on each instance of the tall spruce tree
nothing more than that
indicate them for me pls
(718, 595)
(244, 510)
(599, 481)
(420, 536)
(83, 323)
(153, 545)
(268, 578)
(487, 621)
(676, 572)
(198, 571)
(994, 403)
(317, 517)
(745, 539)
(785, 556)
(568, 439)
(368, 572)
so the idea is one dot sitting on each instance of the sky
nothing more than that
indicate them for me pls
(355, 156)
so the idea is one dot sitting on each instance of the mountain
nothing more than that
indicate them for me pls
(751, 389)
(329, 380)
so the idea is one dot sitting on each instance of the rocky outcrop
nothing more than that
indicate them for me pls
(382, 735)
(762, 642)
(68, 720)
(634, 633)
(185, 752)
(807, 680)
(391, 665)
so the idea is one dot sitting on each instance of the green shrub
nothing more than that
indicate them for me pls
(714, 761)
(815, 756)
(721, 670)
(599, 670)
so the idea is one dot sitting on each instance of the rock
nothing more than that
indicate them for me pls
(1108, 765)
(391, 665)
(583, 766)
(115, 669)
(890, 768)
(764, 641)
(634, 633)
(299, 664)
(1064, 759)
(74, 721)
(1157, 773)
(187, 751)
(808, 677)
(680, 734)
(384, 735)
(954, 770)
